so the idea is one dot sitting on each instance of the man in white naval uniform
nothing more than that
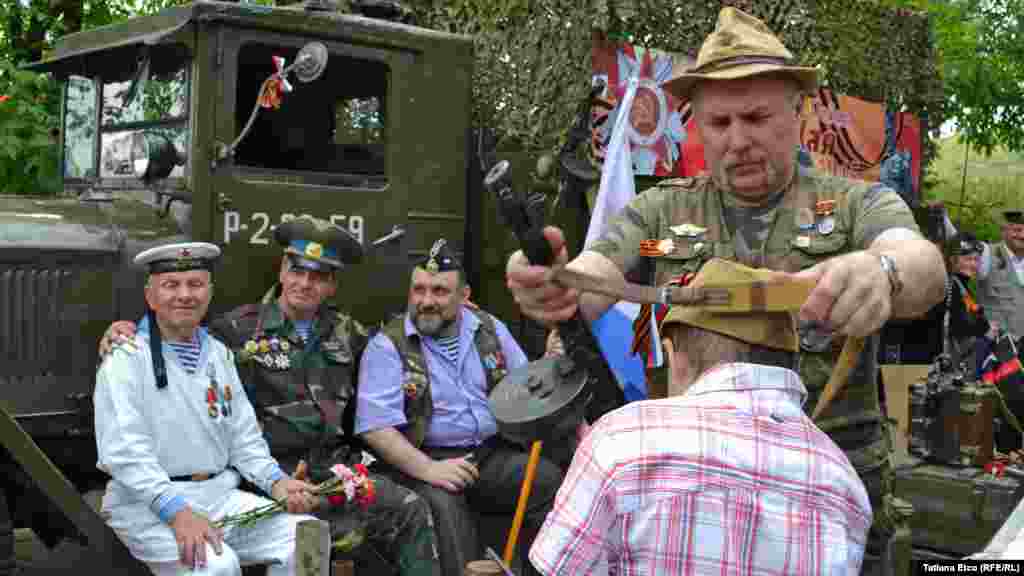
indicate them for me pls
(174, 429)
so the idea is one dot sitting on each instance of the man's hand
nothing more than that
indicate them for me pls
(540, 298)
(453, 474)
(852, 295)
(192, 533)
(119, 332)
(297, 494)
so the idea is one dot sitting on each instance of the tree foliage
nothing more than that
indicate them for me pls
(982, 48)
(533, 56)
(28, 121)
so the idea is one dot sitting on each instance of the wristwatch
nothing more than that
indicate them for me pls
(889, 267)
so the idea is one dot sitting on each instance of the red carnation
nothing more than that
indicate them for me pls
(361, 469)
(336, 499)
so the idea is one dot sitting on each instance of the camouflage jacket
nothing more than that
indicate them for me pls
(299, 389)
(819, 216)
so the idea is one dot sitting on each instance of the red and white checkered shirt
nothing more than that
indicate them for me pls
(731, 478)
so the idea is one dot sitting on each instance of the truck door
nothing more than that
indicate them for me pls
(323, 149)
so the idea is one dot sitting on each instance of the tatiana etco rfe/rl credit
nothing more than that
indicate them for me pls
(969, 567)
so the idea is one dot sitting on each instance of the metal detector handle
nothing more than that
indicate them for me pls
(526, 218)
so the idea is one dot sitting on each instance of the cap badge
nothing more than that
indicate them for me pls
(432, 264)
(314, 250)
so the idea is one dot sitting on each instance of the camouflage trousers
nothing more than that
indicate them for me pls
(889, 547)
(398, 528)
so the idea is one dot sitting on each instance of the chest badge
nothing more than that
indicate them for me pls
(495, 361)
(410, 389)
(271, 353)
(824, 210)
(214, 399)
(688, 230)
(657, 248)
(826, 225)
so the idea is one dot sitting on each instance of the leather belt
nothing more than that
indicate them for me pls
(197, 477)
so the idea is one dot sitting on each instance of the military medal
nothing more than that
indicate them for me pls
(655, 248)
(688, 230)
(211, 400)
(409, 388)
(827, 223)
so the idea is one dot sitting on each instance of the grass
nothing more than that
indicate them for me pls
(994, 183)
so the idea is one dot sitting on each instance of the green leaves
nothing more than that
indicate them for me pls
(28, 128)
(533, 56)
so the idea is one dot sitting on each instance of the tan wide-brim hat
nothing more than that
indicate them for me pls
(740, 46)
(769, 329)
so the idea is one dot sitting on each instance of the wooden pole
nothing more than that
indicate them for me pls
(524, 496)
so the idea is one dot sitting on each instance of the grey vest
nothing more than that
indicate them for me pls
(1002, 292)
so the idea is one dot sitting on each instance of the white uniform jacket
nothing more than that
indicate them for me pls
(200, 422)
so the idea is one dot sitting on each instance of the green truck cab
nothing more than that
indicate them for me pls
(163, 139)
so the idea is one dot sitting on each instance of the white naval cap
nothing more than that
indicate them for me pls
(178, 257)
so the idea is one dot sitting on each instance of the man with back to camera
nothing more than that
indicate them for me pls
(664, 486)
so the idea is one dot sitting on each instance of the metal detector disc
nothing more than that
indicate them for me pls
(541, 400)
(310, 62)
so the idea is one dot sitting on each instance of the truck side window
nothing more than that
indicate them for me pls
(158, 111)
(80, 128)
(336, 124)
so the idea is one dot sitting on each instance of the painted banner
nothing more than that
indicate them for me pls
(656, 120)
(858, 139)
(839, 134)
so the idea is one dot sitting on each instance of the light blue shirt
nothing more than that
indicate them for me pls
(461, 415)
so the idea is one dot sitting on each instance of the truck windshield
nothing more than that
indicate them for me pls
(79, 128)
(158, 111)
(335, 124)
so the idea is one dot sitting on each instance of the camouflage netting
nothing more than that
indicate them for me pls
(533, 56)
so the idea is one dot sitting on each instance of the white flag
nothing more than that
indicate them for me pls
(614, 330)
(617, 187)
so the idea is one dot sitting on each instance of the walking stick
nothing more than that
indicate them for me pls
(524, 495)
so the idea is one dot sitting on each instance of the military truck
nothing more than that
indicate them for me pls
(215, 122)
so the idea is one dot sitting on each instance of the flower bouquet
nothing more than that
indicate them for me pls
(346, 485)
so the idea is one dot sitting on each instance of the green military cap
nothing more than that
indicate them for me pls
(441, 258)
(1013, 216)
(966, 244)
(317, 244)
(740, 46)
(769, 329)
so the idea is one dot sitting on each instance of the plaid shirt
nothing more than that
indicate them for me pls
(730, 479)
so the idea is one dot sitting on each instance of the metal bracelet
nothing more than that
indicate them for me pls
(665, 295)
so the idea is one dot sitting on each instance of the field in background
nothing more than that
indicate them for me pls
(993, 182)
